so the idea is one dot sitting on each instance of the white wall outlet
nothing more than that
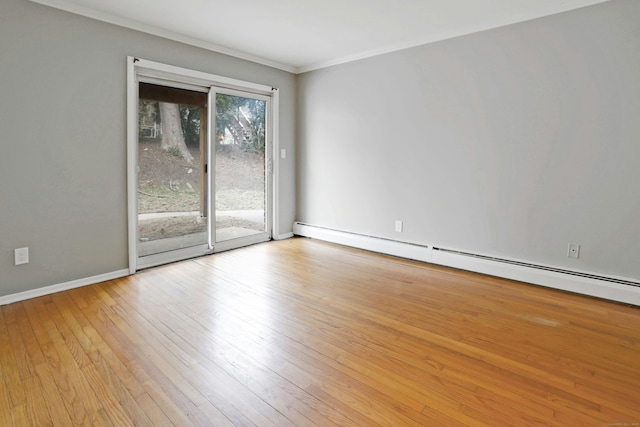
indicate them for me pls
(398, 226)
(574, 250)
(21, 256)
(283, 153)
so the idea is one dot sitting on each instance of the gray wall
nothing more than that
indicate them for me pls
(63, 190)
(511, 142)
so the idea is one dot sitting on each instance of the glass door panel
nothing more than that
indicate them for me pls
(239, 168)
(171, 180)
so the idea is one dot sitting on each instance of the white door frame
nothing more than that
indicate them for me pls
(169, 75)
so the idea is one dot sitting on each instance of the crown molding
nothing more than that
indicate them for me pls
(171, 35)
(160, 32)
(433, 38)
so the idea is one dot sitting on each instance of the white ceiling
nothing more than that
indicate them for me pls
(302, 35)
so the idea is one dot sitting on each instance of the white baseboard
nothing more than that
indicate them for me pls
(34, 293)
(21, 296)
(374, 244)
(600, 288)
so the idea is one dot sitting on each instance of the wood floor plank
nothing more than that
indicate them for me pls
(304, 333)
(257, 376)
(10, 368)
(165, 355)
(20, 332)
(335, 355)
(177, 408)
(386, 385)
(19, 415)
(36, 409)
(62, 367)
(238, 336)
(166, 321)
(56, 405)
(243, 341)
(152, 412)
(116, 379)
(5, 400)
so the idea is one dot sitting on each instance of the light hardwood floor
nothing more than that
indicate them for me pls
(305, 333)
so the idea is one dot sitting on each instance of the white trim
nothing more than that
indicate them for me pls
(275, 162)
(239, 242)
(600, 288)
(160, 32)
(47, 290)
(132, 163)
(374, 244)
(172, 256)
(173, 84)
(551, 279)
(283, 236)
(211, 160)
(172, 74)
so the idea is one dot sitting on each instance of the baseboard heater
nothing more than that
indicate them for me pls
(542, 267)
(612, 288)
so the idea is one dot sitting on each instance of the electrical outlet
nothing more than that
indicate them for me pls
(21, 256)
(574, 250)
(398, 226)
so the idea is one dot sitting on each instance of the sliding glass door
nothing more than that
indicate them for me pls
(202, 178)
(171, 180)
(240, 168)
